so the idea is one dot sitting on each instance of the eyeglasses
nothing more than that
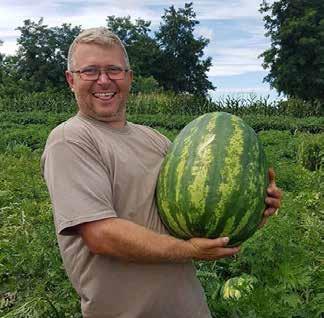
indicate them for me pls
(92, 73)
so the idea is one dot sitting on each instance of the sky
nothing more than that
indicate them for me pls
(235, 29)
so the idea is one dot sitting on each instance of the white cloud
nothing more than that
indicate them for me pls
(8, 48)
(9, 33)
(235, 61)
(244, 90)
(205, 32)
(215, 9)
(233, 69)
(225, 10)
(238, 55)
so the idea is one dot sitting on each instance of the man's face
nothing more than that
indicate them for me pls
(103, 99)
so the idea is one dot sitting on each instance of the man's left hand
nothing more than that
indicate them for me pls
(273, 199)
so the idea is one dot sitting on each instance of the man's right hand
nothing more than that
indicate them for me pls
(211, 249)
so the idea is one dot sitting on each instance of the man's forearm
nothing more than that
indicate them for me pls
(134, 243)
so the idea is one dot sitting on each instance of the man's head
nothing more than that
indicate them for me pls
(99, 75)
(101, 36)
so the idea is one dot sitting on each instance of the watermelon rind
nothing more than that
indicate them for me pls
(213, 180)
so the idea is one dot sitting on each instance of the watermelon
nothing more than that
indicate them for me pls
(213, 180)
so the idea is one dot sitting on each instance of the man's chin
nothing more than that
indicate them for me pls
(117, 116)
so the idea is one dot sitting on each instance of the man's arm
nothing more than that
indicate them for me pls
(130, 242)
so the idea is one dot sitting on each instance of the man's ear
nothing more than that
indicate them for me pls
(131, 77)
(69, 79)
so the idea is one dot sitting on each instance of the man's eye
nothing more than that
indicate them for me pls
(114, 70)
(89, 71)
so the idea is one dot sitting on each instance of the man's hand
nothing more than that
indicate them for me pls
(273, 199)
(211, 249)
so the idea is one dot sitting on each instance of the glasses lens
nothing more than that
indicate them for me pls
(89, 74)
(115, 73)
(92, 74)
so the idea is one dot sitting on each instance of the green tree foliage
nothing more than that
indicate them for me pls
(10, 84)
(142, 50)
(296, 56)
(1, 62)
(145, 85)
(171, 59)
(42, 55)
(182, 68)
(1, 55)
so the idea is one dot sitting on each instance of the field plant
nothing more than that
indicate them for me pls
(31, 275)
(278, 271)
(169, 103)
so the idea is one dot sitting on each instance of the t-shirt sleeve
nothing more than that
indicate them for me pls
(165, 143)
(161, 142)
(79, 185)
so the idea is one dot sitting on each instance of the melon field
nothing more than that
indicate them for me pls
(279, 270)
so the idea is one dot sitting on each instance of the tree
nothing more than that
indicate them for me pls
(10, 84)
(143, 50)
(296, 57)
(1, 55)
(1, 65)
(42, 54)
(182, 68)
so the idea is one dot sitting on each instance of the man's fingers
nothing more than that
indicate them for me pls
(219, 242)
(270, 211)
(274, 192)
(228, 251)
(272, 189)
(212, 249)
(272, 176)
(209, 243)
(272, 202)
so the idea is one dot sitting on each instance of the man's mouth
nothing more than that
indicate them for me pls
(104, 95)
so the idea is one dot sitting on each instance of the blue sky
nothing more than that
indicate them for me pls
(234, 27)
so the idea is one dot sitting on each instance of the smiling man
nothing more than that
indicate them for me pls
(100, 81)
(101, 172)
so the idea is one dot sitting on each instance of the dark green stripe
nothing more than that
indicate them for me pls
(192, 213)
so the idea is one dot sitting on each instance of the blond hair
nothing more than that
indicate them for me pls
(101, 36)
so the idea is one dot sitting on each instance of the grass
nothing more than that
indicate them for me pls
(276, 274)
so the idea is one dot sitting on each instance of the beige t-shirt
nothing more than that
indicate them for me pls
(95, 172)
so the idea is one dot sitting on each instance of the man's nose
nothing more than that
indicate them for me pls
(103, 78)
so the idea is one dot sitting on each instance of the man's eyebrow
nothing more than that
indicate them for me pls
(97, 66)
(90, 66)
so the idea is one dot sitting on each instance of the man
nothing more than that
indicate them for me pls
(101, 172)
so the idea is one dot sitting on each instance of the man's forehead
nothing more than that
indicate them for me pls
(89, 51)
(90, 45)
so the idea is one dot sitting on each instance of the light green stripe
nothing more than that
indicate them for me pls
(228, 227)
(174, 221)
(251, 190)
(198, 189)
(180, 223)
(182, 164)
(177, 225)
(231, 169)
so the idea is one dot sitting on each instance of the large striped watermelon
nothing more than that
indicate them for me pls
(213, 180)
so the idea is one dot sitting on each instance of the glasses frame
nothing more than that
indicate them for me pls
(103, 70)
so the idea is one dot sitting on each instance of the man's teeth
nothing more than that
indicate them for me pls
(104, 94)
